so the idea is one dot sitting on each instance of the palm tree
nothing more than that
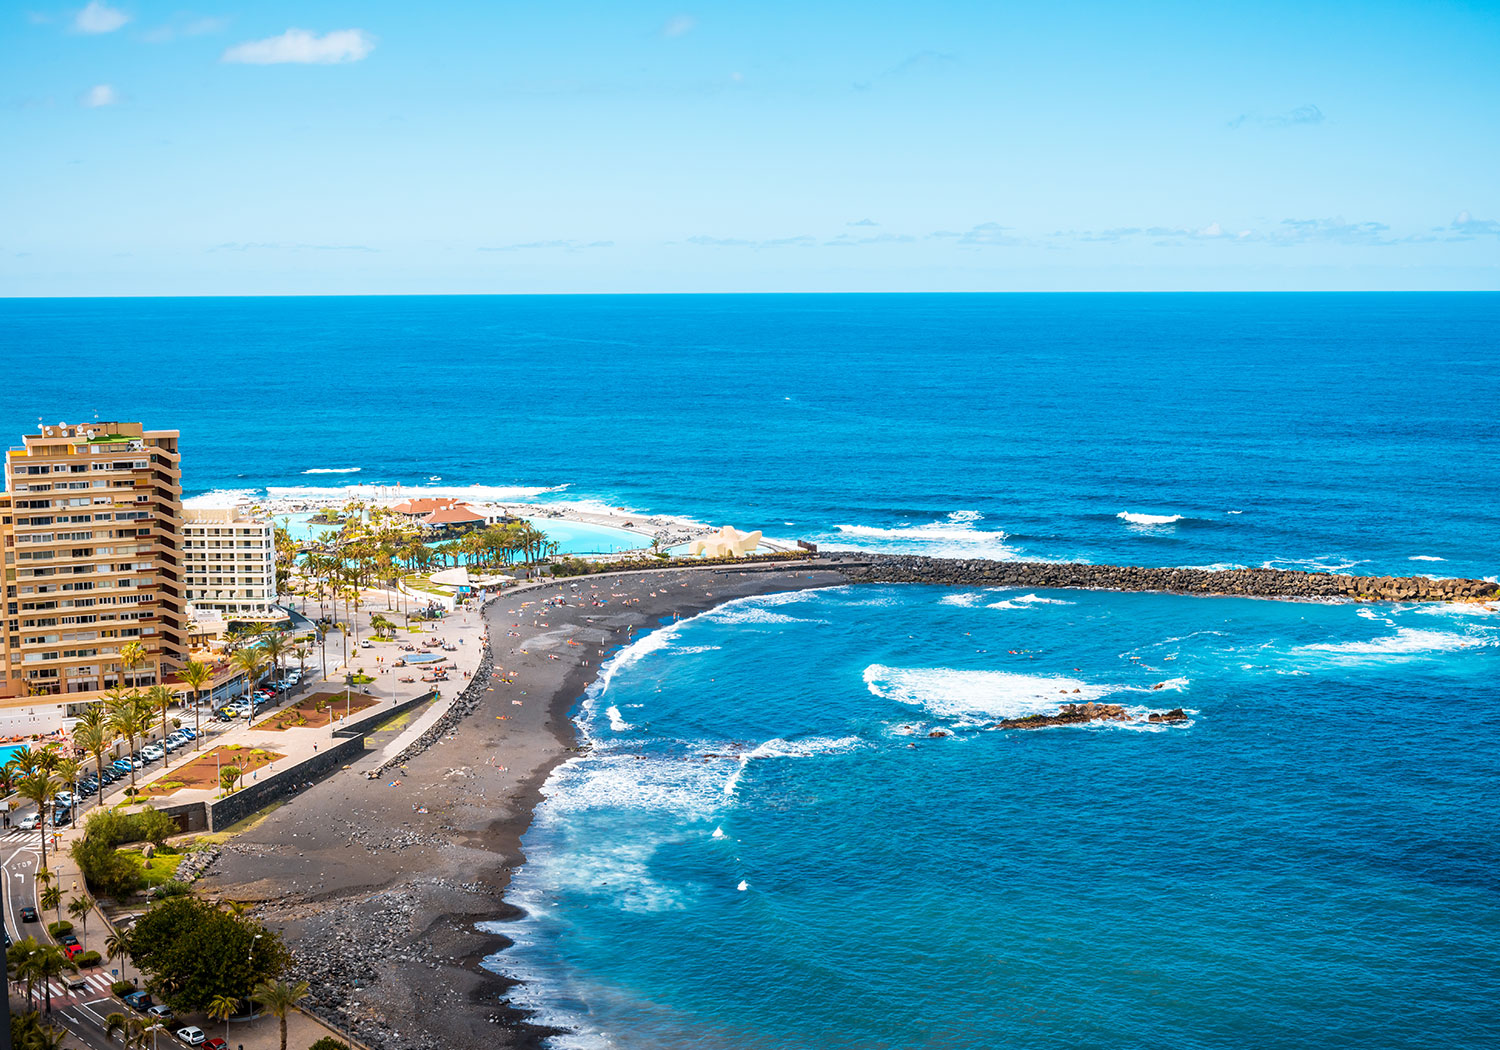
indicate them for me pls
(79, 908)
(124, 721)
(45, 1037)
(91, 732)
(20, 961)
(160, 698)
(275, 647)
(51, 961)
(195, 675)
(222, 1008)
(279, 998)
(52, 898)
(67, 773)
(132, 655)
(135, 1030)
(145, 715)
(253, 664)
(117, 946)
(302, 652)
(40, 786)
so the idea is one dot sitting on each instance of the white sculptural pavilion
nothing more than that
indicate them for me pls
(728, 542)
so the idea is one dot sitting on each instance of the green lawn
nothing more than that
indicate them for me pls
(162, 868)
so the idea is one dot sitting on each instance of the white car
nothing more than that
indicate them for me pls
(192, 1035)
(29, 822)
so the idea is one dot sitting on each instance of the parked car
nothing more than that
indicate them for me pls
(71, 950)
(215, 1044)
(68, 939)
(61, 815)
(189, 732)
(161, 1012)
(139, 1001)
(65, 797)
(29, 915)
(29, 822)
(151, 752)
(192, 1035)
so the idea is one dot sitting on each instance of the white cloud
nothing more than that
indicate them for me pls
(99, 95)
(99, 17)
(679, 25)
(299, 45)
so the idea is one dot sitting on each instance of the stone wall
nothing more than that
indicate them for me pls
(261, 793)
(1263, 583)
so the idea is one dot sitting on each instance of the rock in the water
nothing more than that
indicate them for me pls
(1070, 714)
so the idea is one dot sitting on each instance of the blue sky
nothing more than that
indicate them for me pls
(383, 147)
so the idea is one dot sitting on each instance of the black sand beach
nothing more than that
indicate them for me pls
(378, 884)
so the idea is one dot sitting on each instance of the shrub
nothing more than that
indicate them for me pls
(122, 988)
(173, 888)
(328, 1042)
(84, 959)
(60, 929)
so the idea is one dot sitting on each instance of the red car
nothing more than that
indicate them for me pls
(215, 1044)
(73, 949)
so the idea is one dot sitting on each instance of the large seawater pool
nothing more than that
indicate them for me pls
(767, 849)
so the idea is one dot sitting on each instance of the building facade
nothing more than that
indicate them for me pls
(229, 561)
(91, 535)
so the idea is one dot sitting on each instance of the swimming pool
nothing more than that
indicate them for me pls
(421, 658)
(577, 537)
(9, 750)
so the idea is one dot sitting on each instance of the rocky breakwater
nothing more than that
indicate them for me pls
(1081, 714)
(1257, 583)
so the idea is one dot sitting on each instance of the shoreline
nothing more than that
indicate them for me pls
(408, 971)
(398, 871)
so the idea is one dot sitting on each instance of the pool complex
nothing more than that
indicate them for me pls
(571, 537)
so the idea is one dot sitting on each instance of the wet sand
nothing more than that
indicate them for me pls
(377, 884)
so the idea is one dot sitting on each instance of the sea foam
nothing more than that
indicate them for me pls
(948, 692)
(1149, 519)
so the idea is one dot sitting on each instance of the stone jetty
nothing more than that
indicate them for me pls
(1257, 583)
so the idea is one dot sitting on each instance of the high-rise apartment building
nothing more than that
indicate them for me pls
(91, 535)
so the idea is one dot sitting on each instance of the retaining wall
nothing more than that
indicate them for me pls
(256, 796)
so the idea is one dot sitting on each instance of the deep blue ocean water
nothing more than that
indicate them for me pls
(766, 849)
(1311, 429)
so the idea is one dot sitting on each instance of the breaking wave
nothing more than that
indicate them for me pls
(1150, 519)
(947, 692)
(333, 470)
(953, 536)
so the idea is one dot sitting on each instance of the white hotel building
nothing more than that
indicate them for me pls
(229, 566)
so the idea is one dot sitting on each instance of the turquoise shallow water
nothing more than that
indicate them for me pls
(767, 849)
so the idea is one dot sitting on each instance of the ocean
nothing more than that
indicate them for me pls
(1299, 430)
(766, 848)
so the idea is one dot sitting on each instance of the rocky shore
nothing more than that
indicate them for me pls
(1255, 583)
